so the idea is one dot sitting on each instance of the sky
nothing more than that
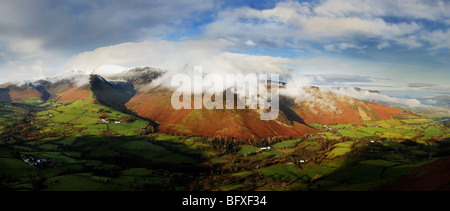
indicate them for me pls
(401, 48)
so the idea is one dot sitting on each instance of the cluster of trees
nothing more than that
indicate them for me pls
(128, 118)
(447, 123)
(20, 129)
(230, 145)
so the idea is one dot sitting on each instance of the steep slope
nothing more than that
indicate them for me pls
(74, 93)
(42, 90)
(113, 94)
(433, 176)
(40, 87)
(21, 93)
(293, 120)
(246, 124)
(327, 108)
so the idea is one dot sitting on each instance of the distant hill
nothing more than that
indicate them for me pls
(440, 101)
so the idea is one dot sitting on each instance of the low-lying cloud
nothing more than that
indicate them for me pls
(375, 97)
(182, 56)
(179, 57)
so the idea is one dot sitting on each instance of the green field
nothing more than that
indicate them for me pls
(80, 153)
(83, 117)
(339, 152)
(283, 172)
(247, 149)
(352, 134)
(15, 168)
(329, 135)
(433, 131)
(288, 143)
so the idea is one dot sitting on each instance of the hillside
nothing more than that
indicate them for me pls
(246, 124)
(131, 94)
(293, 120)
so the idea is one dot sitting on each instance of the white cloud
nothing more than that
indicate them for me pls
(412, 9)
(430, 101)
(383, 45)
(109, 70)
(439, 39)
(250, 43)
(20, 70)
(366, 95)
(329, 47)
(343, 46)
(296, 84)
(176, 57)
(320, 79)
(27, 48)
(291, 24)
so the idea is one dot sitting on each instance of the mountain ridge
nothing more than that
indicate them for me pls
(132, 94)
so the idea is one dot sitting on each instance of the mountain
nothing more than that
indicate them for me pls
(113, 94)
(139, 76)
(17, 93)
(246, 124)
(328, 108)
(133, 92)
(294, 118)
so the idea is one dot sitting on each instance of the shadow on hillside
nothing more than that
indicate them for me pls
(372, 168)
(123, 151)
(115, 95)
(4, 95)
(285, 104)
(75, 163)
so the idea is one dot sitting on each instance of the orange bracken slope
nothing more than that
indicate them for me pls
(293, 119)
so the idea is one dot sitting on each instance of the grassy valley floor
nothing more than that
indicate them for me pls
(81, 145)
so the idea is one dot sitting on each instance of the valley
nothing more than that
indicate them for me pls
(77, 151)
(121, 133)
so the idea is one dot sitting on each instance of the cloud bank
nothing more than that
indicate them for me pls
(366, 95)
(333, 22)
(181, 57)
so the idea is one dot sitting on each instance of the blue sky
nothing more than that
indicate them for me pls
(401, 48)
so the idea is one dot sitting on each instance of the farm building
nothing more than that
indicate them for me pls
(103, 121)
